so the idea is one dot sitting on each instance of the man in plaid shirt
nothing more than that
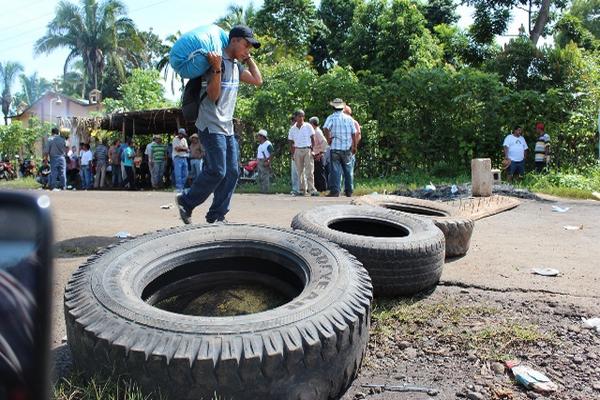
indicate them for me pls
(340, 132)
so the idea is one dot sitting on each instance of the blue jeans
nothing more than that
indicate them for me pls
(196, 164)
(219, 175)
(295, 177)
(341, 162)
(86, 177)
(58, 170)
(180, 167)
(158, 170)
(117, 179)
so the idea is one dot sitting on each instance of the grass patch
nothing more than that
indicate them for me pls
(489, 331)
(76, 387)
(576, 184)
(20, 183)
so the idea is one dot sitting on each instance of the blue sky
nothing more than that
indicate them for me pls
(22, 23)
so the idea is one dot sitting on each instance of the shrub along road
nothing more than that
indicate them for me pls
(489, 305)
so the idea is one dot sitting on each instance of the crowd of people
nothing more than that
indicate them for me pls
(122, 165)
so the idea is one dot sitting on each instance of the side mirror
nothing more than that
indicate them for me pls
(25, 287)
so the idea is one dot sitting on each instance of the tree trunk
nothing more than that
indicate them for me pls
(540, 22)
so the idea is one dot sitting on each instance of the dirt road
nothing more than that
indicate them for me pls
(497, 270)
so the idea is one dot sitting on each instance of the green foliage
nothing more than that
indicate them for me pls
(8, 74)
(142, 91)
(587, 11)
(290, 22)
(386, 35)
(576, 183)
(16, 138)
(32, 88)
(438, 12)
(571, 29)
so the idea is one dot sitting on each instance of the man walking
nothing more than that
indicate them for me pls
(319, 151)
(515, 150)
(215, 124)
(340, 131)
(180, 159)
(56, 149)
(263, 156)
(302, 140)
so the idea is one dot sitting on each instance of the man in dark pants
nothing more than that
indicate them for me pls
(55, 151)
(215, 125)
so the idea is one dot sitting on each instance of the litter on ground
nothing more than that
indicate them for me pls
(560, 209)
(530, 378)
(545, 271)
(573, 227)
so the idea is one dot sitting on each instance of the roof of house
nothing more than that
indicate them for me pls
(165, 120)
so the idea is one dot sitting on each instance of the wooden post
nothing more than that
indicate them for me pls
(123, 129)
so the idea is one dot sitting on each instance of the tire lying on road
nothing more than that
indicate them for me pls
(309, 347)
(403, 254)
(457, 230)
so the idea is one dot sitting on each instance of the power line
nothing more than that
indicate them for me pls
(30, 42)
(24, 22)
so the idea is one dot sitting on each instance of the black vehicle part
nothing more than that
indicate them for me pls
(310, 347)
(403, 254)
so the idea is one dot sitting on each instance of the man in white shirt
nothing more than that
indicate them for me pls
(319, 150)
(148, 154)
(515, 150)
(302, 140)
(180, 157)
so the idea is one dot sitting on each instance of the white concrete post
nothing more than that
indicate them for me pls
(481, 177)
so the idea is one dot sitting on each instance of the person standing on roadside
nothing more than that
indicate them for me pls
(515, 151)
(55, 151)
(115, 162)
(358, 135)
(148, 156)
(215, 125)
(340, 132)
(542, 148)
(86, 158)
(127, 160)
(319, 151)
(263, 156)
(159, 158)
(301, 137)
(101, 162)
(196, 155)
(180, 159)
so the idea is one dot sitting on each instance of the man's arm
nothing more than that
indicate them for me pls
(292, 147)
(327, 134)
(251, 74)
(354, 143)
(506, 152)
(213, 90)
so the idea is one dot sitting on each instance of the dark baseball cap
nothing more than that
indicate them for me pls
(242, 31)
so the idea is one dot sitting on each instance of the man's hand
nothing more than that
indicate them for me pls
(214, 60)
(353, 149)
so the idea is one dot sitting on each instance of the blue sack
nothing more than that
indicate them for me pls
(188, 54)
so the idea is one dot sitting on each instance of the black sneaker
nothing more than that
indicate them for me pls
(333, 194)
(184, 213)
(217, 221)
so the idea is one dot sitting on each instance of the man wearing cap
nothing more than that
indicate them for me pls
(264, 155)
(180, 159)
(542, 148)
(319, 151)
(515, 150)
(215, 125)
(340, 131)
(302, 140)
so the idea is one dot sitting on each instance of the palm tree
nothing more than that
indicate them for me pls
(97, 32)
(236, 15)
(8, 74)
(164, 66)
(32, 88)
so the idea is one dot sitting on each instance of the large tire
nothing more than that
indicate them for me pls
(308, 348)
(403, 254)
(457, 229)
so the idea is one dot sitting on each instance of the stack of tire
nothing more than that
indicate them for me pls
(401, 241)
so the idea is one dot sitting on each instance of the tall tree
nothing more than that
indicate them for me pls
(386, 35)
(237, 15)
(32, 88)
(290, 22)
(8, 73)
(492, 17)
(164, 65)
(94, 31)
(438, 12)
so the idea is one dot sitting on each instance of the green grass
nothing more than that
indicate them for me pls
(76, 387)
(576, 183)
(493, 333)
(20, 183)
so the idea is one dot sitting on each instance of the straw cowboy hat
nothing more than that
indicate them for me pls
(338, 104)
(262, 132)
